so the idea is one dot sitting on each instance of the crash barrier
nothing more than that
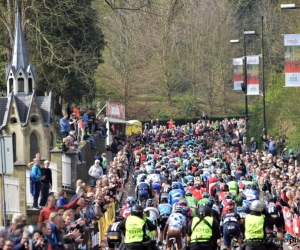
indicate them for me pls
(90, 239)
(104, 222)
(292, 222)
(95, 235)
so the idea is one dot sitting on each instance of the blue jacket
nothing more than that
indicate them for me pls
(64, 125)
(36, 172)
(61, 202)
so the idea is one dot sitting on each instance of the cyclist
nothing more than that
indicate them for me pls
(150, 206)
(186, 211)
(175, 228)
(231, 224)
(204, 199)
(143, 191)
(114, 236)
(175, 194)
(192, 202)
(233, 186)
(215, 214)
(126, 209)
(165, 210)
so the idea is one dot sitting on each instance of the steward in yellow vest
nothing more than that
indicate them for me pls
(255, 224)
(136, 227)
(203, 232)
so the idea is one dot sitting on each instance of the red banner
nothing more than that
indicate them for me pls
(115, 110)
(292, 222)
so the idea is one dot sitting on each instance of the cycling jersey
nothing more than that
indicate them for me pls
(175, 195)
(164, 209)
(176, 221)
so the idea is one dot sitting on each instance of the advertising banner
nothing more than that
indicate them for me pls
(237, 73)
(292, 60)
(252, 75)
(115, 110)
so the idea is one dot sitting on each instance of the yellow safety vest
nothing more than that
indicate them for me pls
(202, 232)
(134, 229)
(254, 227)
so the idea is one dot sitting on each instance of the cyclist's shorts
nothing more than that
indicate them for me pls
(230, 230)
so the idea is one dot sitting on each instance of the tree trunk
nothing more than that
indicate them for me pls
(58, 105)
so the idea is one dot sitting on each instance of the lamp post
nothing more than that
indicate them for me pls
(264, 131)
(244, 87)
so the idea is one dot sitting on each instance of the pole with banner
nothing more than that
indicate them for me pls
(252, 75)
(237, 73)
(292, 60)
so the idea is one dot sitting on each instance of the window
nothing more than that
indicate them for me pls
(14, 141)
(34, 120)
(34, 145)
(20, 84)
(29, 85)
(11, 85)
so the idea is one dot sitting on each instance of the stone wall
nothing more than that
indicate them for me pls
(88, 157)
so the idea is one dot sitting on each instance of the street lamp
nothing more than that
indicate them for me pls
(244, 86)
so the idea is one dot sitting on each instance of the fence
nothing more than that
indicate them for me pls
(66, 172)
(12, 196)
(29, 198)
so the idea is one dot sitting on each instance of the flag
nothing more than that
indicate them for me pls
(292, 60)
(252, 75)
(237, 73)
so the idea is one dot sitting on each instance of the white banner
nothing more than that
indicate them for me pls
(237, 73)
(252, 75)
(292, 60)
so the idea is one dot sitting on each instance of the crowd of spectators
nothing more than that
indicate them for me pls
(62, 223)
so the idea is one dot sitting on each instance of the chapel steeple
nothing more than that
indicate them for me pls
(19, 74)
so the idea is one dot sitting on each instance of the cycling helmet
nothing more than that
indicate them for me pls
(249, 178)
(248, 186)
(137, 210)
(188, 193)
(182, 202)
(164, 199)
(189, 173)
(239, 200)
(242, 178)
(174, 178)
(197, 185)
(149, 203)
(151, 171)
(291, 151)
(209, 203)
(175, 186)
(119, 218)
(143, 178)
(205, 195)
(229, 178)
(190, 183)
(257, 206)
(228, 196)
(204, 211)
(177, 209)
(273, 198)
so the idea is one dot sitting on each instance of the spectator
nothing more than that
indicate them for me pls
(37, 177)
(64, 126)
(87, 136)
(46, 183)
(62, 201)
(23, 243)
(170, 123)
(73, 122)
(45, 213)
(17, 218)
(76, 110)
(8, 245)
(253, 144)
(95, 172)
(79, 185)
